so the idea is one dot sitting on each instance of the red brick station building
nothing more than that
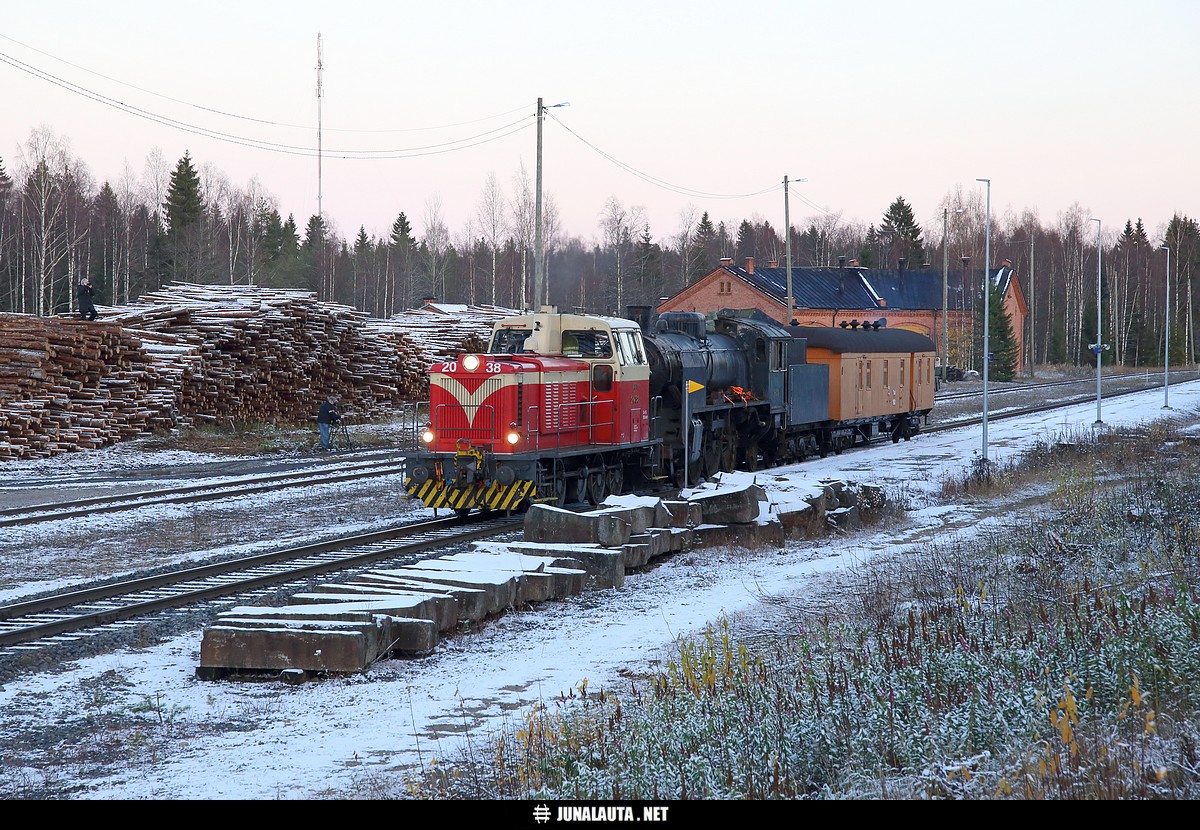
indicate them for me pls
(849, 294)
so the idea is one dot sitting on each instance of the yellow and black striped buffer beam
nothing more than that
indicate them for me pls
(434, 493)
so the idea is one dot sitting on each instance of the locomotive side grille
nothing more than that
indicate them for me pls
(561, 409)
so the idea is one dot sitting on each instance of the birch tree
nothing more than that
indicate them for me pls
(490, 215)
(523, 212)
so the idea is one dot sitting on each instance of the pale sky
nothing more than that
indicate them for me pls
(712, 104)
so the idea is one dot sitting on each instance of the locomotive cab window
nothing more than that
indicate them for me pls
(602, 377)
(778, 360)
(629, 348)
(509, 341)
(593, 344)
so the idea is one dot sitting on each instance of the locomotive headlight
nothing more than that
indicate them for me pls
(471, 362)
(513, 437)
(427, 435)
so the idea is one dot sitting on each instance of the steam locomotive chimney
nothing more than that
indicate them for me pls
(640, 314)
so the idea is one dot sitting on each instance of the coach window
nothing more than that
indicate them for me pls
(886, 366)
(868, 374)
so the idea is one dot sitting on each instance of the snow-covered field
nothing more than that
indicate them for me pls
(137, 724)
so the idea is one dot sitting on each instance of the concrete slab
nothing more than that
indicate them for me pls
(730, 505)
(544, 523)
(472, 602)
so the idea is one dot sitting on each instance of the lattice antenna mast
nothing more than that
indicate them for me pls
(320, 71)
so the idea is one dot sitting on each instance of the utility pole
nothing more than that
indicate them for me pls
(539, 275)
(1032, 304)
(787, 247)
(945, 290)
(540, 293)
(946, 287)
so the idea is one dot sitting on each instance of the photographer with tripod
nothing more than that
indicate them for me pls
(327, 418)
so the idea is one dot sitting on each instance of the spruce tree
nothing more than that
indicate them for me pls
(745, 241)
(901, 235)
(184, 209)
(1001, 341)
(184, 206)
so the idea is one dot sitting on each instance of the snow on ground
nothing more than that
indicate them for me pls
(229, 740)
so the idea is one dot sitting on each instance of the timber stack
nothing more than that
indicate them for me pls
(193, 354)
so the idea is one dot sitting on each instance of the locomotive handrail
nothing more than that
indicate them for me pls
(585, 420)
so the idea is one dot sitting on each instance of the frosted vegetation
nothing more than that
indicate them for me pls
(1056, 660)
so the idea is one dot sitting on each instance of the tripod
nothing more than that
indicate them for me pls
(339, 437)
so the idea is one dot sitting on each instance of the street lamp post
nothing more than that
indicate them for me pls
(1167, 337)
(987, 309)
(787, 247)
(539, 265)
(1098, 347)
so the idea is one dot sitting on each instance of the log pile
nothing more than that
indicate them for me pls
(68, 385)
(190, 354)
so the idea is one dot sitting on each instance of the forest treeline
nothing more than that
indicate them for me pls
(184, 222)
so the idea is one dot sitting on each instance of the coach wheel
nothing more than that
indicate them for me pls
(615, 480)
(751, 458)
(729, 457)
(596, 488)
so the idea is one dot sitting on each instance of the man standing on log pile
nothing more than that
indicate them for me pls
(327, 419)
(87, 309)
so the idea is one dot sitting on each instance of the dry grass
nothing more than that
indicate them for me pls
(1057, 660)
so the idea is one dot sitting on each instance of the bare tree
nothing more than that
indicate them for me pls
(1069, 265)
(44, 164)
(618, 224)
(552, 236)
(685, 238)
(523, 221)
(490, 214)
(436, 247)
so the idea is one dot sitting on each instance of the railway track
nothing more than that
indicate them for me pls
(391, 463)
(52, 624)
(58, 620)
(959, 421)
(382, 465)
(1141, 379)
